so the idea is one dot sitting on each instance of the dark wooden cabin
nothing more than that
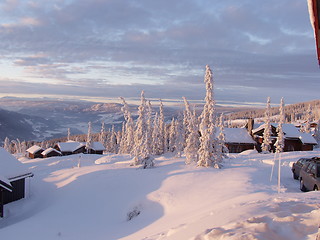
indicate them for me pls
(294, 140)
(35, 152)
(5, 186)
(51, 152)
(13, 175)
(70, 147)
(96, 148)
(237, 139)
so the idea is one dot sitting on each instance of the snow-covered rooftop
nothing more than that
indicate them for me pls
(34, 149)
(307, 138)
(45, 152)
(10, 167)
(290, 132)
(5, 183)
(69, 146)
(97, 146)
(236, 135)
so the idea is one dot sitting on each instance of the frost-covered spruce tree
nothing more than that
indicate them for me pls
(112, 141)
(265, 146)
(149, 129)
(162, 129)
(192, 141)
(147, 161)
(122, 139)
(140, 134)
(156, 141)
(102, 135)
(7, 145)
(317, 133)
(222, 150)
(208, 156)
(127, 140)
(172, 135)
(69, 134)
(279, 144)
(185, 125)
(89, 138)
(180, 133)
(308, 119)
(24, 148)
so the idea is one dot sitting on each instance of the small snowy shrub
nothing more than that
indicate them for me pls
(132, 214)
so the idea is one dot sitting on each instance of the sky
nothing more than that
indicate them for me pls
(97, 49)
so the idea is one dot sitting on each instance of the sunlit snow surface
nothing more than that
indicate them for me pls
(174, 200)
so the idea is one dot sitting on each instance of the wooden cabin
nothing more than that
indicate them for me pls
(96, 148)
(12, 181)
(5, 186)
(70, 147)
(35, 152)
(294, 140)
(51, 152)
(237, 139)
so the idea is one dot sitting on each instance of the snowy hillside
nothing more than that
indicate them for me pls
(26, 127)
(171, 201)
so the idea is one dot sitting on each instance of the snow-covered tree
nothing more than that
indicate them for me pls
(208, 156)
(148, 140)
(162, 129)
(172, 135)
(118, 137)
(279, 144)
(317, 133)
(122, 138)
(140, 150)
(156, 138)
(265, 146)
(112, 141)
(185, 124)
(24, 148)
(68, 137)
(180, 133)
(7, 145)
(127, 140)
(222, 149)
(192, 142)
(89, 138)
(308, 119)
(102, 134)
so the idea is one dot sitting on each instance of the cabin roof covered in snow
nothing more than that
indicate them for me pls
(290, 132)
(97, 146)
(69, 146)
(5, 183)
(236, 135)
(11, 168)
(49, 150)
(34, 149)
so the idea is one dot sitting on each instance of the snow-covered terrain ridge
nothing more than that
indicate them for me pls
(171, 201)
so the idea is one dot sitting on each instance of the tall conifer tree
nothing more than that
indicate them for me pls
(265, 146)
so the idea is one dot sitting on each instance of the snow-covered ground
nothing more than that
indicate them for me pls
(170, 201)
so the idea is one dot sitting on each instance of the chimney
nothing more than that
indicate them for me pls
(250, 125)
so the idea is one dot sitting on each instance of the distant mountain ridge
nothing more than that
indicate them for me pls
(44, 119)
(25, 127)
(41, 119)
(293, 112)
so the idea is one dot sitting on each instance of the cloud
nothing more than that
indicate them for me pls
(120, 46)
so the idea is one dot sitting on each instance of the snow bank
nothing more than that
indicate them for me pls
(249, 152)
(106, 198)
